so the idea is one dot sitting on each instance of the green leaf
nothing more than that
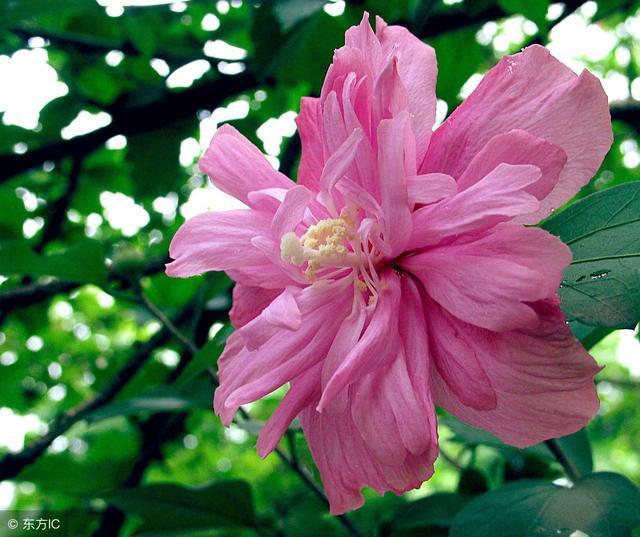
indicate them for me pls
(459, 56)
(206, 357)
(576, 445)
(535, 11)
(589, 335)
(577, 448)
(291, 12)
(161, 399)
(426, 514)
(83, 262)
(155, 154)
(600, 504)
(170, 507)
(602, 285)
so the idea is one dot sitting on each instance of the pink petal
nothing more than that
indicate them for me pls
(497, 197)
(526, 246)
(339, 163)
(430, 187)
(376, 347)
(534, 92)
(456, 360)
(217, 241)
(347, 462)
(484, 291)
(309, 123)
(519, 147)
(543, 380)
(248, 303)
(237, 167)
(303, 391)
(291, 211)
(418, 71)
(281, 354)
(393, 138)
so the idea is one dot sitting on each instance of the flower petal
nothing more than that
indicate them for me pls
(497, 197)
(534, 92)
(309, 123)
(418, 72)
(217, 241)
(393, 138)
(491, 292)
(543, 380)
(248, 303)
(519, 147)
(430, 187)
(237, 167)
(377, 346)
(456, 360)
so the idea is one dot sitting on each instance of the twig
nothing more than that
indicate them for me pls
(168, 324)
(567, 464)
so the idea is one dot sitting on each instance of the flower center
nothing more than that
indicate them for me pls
(327, 244)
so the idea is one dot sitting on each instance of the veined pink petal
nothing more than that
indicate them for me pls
(430, 187)
(393, 139)
(418, 71)
(526, 246)
(339, 163)
(487, 292)
(309, 123)
(534, 92)
(498, 197)
(217, 241)
(376, 347)
(291, 211)
(237, 167)
(456, 360)
(303, 391)
(248, 303)
(543, 380)
(519, 147)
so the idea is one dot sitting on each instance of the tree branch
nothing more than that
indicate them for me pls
(132, 120)
(27, 295)
(88, 44)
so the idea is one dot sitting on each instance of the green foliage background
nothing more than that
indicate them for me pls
(116, 358)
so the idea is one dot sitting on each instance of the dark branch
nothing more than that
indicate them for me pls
(128, 121)
(627, 111)
(88, 44)
(34, 293)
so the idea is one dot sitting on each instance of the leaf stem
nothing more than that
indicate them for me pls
(561, 456)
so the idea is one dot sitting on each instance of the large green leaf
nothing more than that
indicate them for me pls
(291, 12)
(576, 446)
(428, 514)
(169, 507)
(206, 357)
(602, 285)
(161, 399)
(600, 505)
(83, 262)
(535, 11)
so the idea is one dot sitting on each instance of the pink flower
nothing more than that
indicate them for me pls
(398, 272)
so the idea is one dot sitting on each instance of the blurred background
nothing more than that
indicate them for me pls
(106, 364)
